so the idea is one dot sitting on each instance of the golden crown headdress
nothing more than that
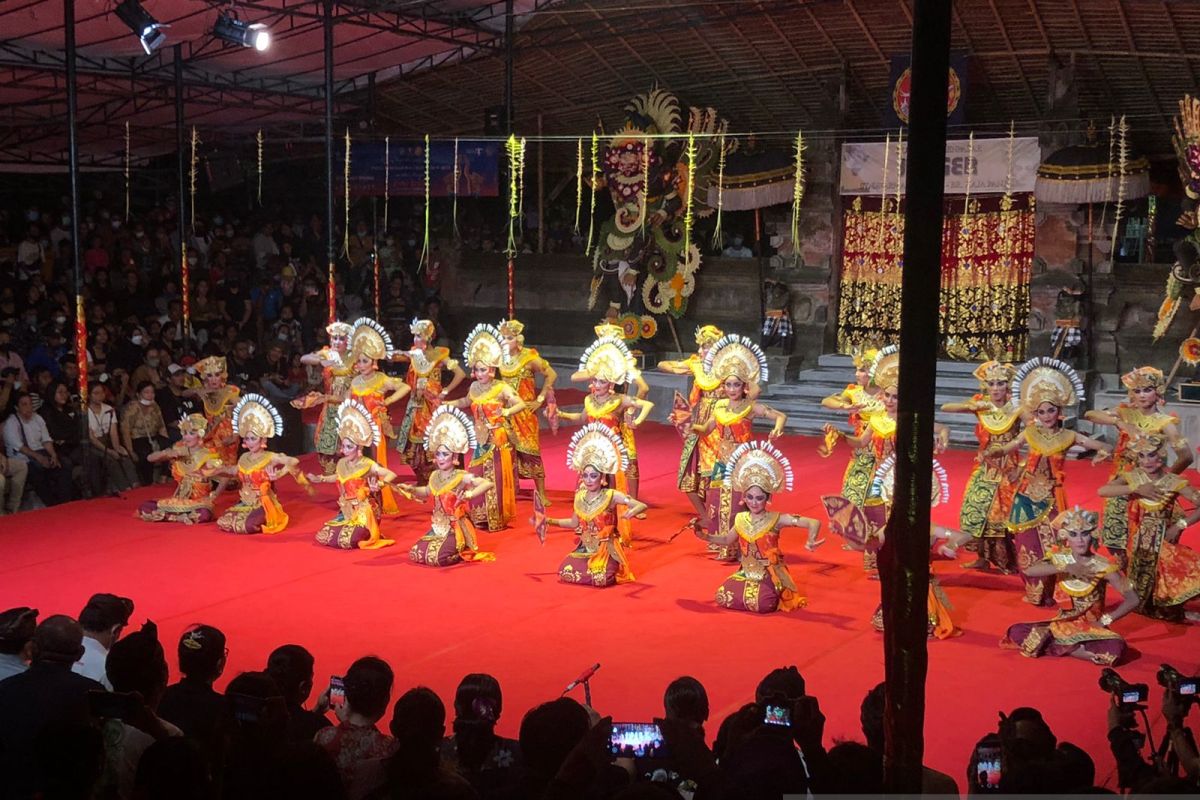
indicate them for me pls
(736, 356)
(339, 329)
(511, 327)
(596, 445)
(864, 357)
(707, 335)
(884, 481)
(255, 414)
(1144, 378)
(370, 339)
(1076, 520)
(759, 464)
(213, 365)
(1046, 380)
(608, 358)
(994, 371)
(1145, 443)
(483, 346)
(193, 423)
(885, 367)
(423, 328)
(355, 423)
(609, 329)
(452, 429)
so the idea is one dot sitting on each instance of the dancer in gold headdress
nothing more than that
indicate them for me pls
(757, 472)
(1044, 388)
(452, 536)
(860, 399)
(519, 368)
(491, 403)
(705, 390)
(219, 398)
(741, 367)
(426, 367)
(1139, 414)
(596, 453)
(376, 391)
(193, 466)
(257, 421)
(987, 499)
(1164, 573)
(337, 371)
(359, 479)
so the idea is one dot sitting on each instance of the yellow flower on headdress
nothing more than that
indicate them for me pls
(355, 423)
(864, 357)
(339, 329)
(990, 371)
(759, 464)
(734, 356)
(1046, 380)
(213, 365)
(596, 445)
(255, 414)
(707, 335)
(608, 358)
(193, 423)
(423, 328)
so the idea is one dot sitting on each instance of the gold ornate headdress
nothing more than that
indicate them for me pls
(339, 329)
(1076, 520)
(370, 339)
(511, 327)
(423, 328)
(254, 414)
(1144, 378)
(707, 335)
(355, 423)
(864, 357)
(885, 479)
(596, 445)
(1046, 380)
(1144, 443)
(483, 346)
(994, 371)
(450, 428)
(759, 464)
(193, 423)
(885, 367)
(608, 329)
(609, 359)
(736, 356)
(213, 365)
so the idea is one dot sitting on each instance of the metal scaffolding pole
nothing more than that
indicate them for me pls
(329, 251)
(184, 227)
(76, 247)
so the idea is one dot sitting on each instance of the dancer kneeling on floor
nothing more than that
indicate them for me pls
(256, 422)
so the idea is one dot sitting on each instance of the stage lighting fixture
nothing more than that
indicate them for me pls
(147, 28)
(233, 30)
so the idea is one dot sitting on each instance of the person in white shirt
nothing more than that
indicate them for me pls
(27, 439)
(13, 473)
(16, 640)
(737, 249)
(102, 620)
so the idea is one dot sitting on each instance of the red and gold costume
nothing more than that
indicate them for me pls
(376, 391)
(357, 524)
(192, 467)
(704, 393)
(424, 378)
(218, 409)
(335, 379)
(258, 509)
(519, 371)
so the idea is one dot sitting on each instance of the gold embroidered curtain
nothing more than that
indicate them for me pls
(987, 256)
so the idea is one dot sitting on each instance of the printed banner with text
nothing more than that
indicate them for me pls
(478, 168)
(988, 164)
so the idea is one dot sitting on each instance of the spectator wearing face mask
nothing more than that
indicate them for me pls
(26, 438)
(150, 370)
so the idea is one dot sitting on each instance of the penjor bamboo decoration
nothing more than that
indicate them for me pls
(797, 194)
(964, 225)
(688, 213)
(346, 197)
(512, 146)
(454, 207)
(646, 186)
(425, 243)
(896, 216)
(184, 269)
(126, 171)
(592, 187)
(717, 234)
(387, 179)
(1122, 165)
(1006, 202)
(259, 140)
(578, 181)
(521, 186)
(881, 236)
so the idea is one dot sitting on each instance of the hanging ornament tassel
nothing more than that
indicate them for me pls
(899, 191)
(592, 185)
(521, 187)
(425, 244)
(184, 270)
(578, 181)
(797, 194)
(259, 139)
(881, 245)
(126, 174)
(346, 198)
(511, 146)
(964, 225)
(1112, 139)
(688, 213)
(646, 185)
(454, 208)
(387, 179)
(1122, 165)
(1006, 202)
(718, 235)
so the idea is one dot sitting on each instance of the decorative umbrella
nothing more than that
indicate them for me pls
(1084, 173)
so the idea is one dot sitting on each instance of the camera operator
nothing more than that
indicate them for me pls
(1176, 705)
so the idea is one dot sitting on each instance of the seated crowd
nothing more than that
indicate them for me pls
(87, 711)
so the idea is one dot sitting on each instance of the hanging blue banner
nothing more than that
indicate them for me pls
(478, 168)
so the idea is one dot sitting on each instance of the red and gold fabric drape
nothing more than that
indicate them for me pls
(987, 257)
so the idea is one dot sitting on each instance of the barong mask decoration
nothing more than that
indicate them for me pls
(885, 368)
(452, 429)
(707, 335)
(737, 357)
(255, 415)
(759, 464)
(1046, 380)
(1144, 378)
(595, 445)
(483, 347)
(990, 371)
(193, 424)
(884, 481)
(370, 339)
(608, 358)
(355, 423)
(213, 366)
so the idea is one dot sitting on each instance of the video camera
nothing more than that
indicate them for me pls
(1128, 695)
(1183, 687)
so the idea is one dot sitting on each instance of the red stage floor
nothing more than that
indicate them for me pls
(513, 619)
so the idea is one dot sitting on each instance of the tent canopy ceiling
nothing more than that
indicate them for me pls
(766, 65)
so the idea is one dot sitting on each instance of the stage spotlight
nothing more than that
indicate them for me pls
(147, 28)
(233, 30)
